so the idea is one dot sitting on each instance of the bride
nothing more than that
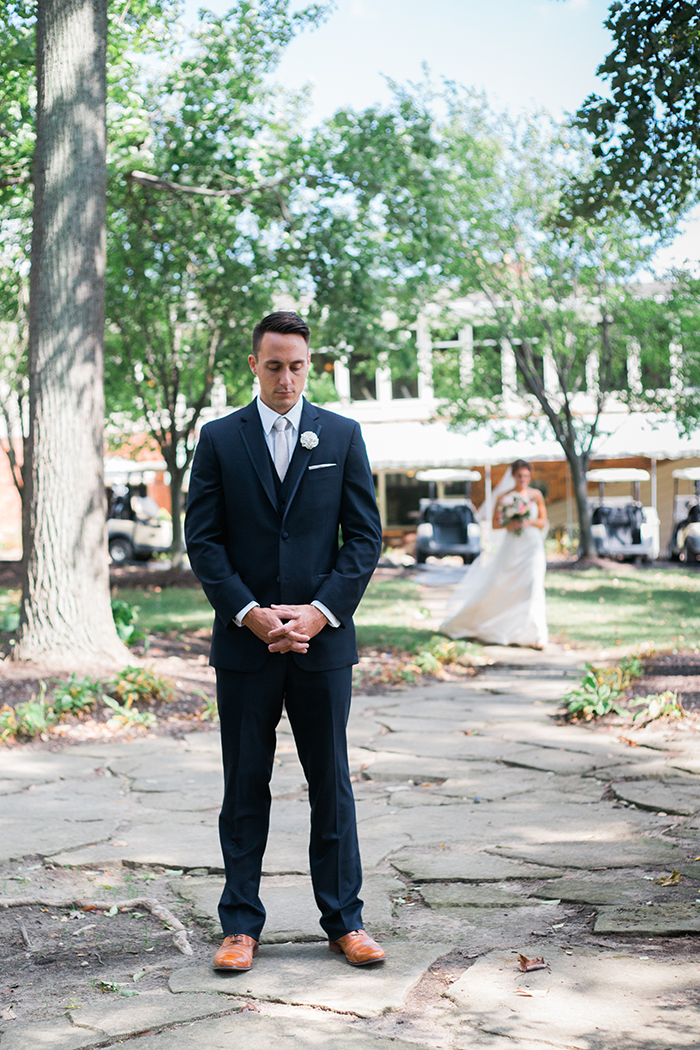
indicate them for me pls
(502, 596)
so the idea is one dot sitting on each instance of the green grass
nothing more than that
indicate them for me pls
(172, 609)
(384, 618)
(658, 608)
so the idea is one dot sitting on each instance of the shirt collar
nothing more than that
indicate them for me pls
(268, 415)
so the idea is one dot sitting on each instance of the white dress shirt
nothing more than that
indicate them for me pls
(267, 418)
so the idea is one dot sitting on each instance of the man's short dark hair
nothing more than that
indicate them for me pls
(284, 321)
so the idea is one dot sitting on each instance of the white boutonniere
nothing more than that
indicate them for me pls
(309, 439)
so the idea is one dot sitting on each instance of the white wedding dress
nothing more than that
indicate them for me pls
(501, 600)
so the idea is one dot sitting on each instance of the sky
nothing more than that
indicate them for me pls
(522, 53)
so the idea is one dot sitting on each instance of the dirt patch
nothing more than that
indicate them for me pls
(677, 672)
(74, 958)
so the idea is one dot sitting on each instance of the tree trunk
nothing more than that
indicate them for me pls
(177, 476)
(66, 619)
(578, 466)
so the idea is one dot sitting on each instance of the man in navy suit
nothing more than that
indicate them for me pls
(272, 484)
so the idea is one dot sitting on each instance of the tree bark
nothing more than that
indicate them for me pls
(66, 619)
(578, 464)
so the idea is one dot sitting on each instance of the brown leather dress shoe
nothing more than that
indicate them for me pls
(358, 948)
(236, 953)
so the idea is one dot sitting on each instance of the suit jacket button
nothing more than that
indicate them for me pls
(277, 580)
(285, 535)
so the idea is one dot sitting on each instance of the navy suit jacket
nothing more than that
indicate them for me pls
(243, 549)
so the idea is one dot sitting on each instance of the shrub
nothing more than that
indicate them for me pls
(76, 695)
(140, 683)
(125, 617)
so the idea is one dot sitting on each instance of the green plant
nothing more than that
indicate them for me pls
(125, 617)
(28, 719)
(210, 711)
(140, 683)
(440, 650)
(657, 705)
(76, 695)
(126, 715)
(597, 695)
(9, 619)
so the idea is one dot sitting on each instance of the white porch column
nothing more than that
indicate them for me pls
(382, 378)
(488, 506)
(466, 355)
(424, 345)
(653, 484)
(509, 377)
(381, 496)
(341, 375)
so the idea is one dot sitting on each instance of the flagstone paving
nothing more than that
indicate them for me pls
(487, 830)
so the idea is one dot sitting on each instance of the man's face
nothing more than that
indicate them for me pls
(282, 366)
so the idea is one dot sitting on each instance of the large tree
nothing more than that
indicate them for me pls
(646, 131)
(66, 619)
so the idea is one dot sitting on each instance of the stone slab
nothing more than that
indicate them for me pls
(163, 843)
(654, 920)
(396, 765)
(310, 975)
(587, 1000)
(454, 865)
(255, 1031)
(145, 1011)
(630, 853)
(292, 914)
(467, 895)
(628, 889)
(552, 759)
(51, 1035)
(681, 799)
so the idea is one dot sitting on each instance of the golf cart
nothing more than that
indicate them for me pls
(622, 528)
(447, 524)
(685, 533)
(137, 527)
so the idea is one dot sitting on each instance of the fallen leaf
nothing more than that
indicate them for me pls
(626, 740)
(112, 911)
(531, 964)
(669, 880)
(138, 975)
(532, 993)
(8, 1014)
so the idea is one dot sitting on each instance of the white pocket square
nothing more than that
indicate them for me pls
(319, 466)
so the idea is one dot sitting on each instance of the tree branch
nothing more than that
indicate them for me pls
(157, 183)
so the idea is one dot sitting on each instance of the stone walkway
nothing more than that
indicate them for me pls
(487, 832)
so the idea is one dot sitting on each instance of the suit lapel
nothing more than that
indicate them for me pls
(254, 440)
(301, 457)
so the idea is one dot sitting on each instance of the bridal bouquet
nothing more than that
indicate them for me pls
(516, 509)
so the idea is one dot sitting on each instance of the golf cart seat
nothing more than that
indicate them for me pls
(449, 523)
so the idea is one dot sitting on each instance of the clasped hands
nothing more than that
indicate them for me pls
(285, 628)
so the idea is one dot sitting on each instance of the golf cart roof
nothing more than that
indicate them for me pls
(687, 474)
(448, 474)
(610, 475)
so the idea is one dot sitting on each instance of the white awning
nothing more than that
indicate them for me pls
(413, 445)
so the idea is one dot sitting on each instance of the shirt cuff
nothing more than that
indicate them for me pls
(238, 620)
(333, 620)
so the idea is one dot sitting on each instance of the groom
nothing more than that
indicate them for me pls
(271, 486)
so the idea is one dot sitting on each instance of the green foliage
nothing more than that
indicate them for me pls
(76, 695)
(9, 619)
(125, 617)
(140, 683)
(430, 658)
(127, 715)
(646, 130)
(657, 705)
(28, 719)
(595, 697)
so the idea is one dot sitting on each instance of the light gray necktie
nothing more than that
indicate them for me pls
(281, 445)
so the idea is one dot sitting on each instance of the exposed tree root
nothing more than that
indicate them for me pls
(149, 903)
